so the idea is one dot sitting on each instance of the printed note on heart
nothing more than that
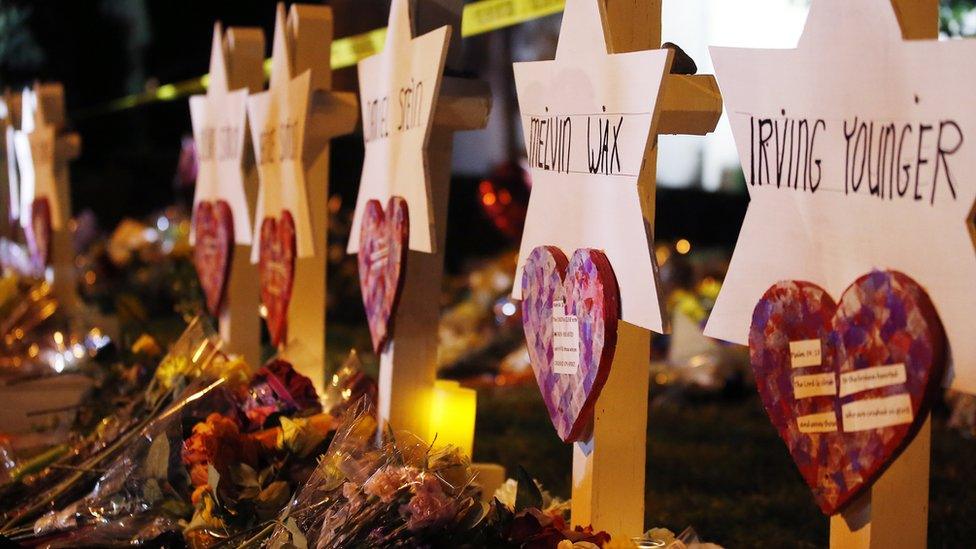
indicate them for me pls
(382, 258)
(276, 269)
(569, 314)
(213, 252)
(848, 384)
(38, 234)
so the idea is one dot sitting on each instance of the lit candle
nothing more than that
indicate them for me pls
(452, 413)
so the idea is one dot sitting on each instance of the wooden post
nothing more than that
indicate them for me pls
(8, 174)
(408, 365)
(43, 153)
(235, 70)
(306, 41)
(894, 512)
(608, 468)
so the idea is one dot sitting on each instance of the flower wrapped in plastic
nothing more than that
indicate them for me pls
(78, 466)
(277, 389)
(393, 492)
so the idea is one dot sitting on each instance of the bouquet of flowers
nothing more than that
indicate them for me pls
(366, 492)
(399, 491)
(75, 469)
(222, 458)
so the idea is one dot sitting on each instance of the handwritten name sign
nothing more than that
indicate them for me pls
(278, 121)
(858, 152)
(888, 160)
(586, 117)
(398, 90)
(219, 125)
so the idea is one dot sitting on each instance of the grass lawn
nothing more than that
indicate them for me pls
(717, 464)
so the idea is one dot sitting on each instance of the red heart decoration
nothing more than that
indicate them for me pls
(383, 241)
(38, 234)
(213, 227)
(276, 269)
(569, 315)
(846, 385)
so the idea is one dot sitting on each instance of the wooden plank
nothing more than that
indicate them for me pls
(894, 512)
(408, 365)
(310, 32)
(238, 323)
(609, 468)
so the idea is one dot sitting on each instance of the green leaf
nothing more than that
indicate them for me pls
(151, 491)
(527, 495)
(245, 476)
(297, 537)
(157, 459)
(213, 477)
(472, 515)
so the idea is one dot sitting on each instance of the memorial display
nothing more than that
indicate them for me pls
(297, 301)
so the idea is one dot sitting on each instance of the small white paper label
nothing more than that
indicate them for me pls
(871, 378)
(877, 413)
(814, 385)
(805, 353)
(825, 422)
(565, 340)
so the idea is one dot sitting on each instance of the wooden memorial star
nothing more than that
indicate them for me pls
(854, 163)
(43, 151)
(226, 187)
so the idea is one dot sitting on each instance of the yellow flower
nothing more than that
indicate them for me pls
(172, 368)
(8, 289)
(301, 435)
(146, 345)
(234, 369)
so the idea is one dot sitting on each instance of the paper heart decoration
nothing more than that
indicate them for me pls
(213, 228)
(276, 269)
(383, 241)
(847, 385)
(38, 234)
(569, 314)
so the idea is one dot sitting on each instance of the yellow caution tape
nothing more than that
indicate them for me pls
(478, 18)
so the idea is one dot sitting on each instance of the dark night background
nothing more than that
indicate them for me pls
(105, 49)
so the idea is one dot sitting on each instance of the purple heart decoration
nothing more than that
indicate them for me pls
(846, 385)
(569, 314)
(213, 226)
(383, 241)
(38, 234)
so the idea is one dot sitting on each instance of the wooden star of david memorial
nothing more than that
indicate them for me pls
(857, 152)
(399, 88)
(588, 117)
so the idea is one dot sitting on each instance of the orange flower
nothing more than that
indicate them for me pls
(217, 441)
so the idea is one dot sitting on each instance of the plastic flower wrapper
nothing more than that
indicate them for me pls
(348, 385)
(74, 472)
(146, 477)
(369, 493)
(523, 515)
(662, 538)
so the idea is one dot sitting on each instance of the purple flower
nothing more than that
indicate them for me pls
(429, 505)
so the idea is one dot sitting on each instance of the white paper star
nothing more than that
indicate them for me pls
(398, 89)
(914, 99)
(585, 195)
(278, 129)
(219, 126)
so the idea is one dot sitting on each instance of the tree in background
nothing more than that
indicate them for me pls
(20, 56)
(958, 17)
